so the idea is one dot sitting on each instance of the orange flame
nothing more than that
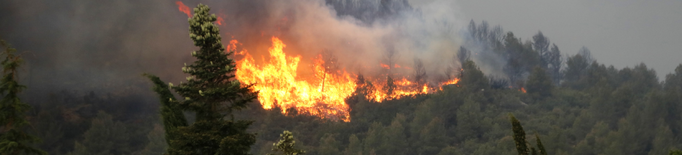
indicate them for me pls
(321, 95)
(396, 66)
(279, 85)
(233, 47)
(523, 90)
(219, 21)
(183, 8)
(453, 81)
(385, 66)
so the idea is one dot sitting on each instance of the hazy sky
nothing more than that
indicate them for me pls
(622, 33)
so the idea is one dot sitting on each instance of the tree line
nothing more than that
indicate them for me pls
(572, 105)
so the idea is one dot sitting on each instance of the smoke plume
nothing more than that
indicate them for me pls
(106, 45)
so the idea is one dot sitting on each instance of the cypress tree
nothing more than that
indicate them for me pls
(541, 148)
(13, 140)
(211, 93)
(519, 136)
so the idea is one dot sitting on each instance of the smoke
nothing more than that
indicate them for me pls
(106, 45)
(361, 34)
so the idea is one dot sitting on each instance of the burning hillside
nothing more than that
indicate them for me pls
(314, 60)
(321, 94)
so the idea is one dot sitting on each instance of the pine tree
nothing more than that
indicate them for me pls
(171, 114)
(13, 140)
(211, 93)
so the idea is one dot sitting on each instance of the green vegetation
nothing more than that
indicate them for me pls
(211, 93)
(13, 137)
(286, 144)
(581, 108)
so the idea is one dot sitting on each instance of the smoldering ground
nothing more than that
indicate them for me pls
(106, 45)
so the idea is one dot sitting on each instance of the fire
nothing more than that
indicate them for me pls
(453, 81)
(322, 94)
(279, 85)
(183, 8)
(219, 21)
(523, 90)
(233, 47)
(385, 66)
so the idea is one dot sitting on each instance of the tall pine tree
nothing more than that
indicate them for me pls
(13, 140)
(212, 93)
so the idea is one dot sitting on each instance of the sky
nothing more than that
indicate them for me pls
(622, 33)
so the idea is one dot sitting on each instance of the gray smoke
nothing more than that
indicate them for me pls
(106, 45)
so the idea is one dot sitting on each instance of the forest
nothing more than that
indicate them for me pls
(572, 103)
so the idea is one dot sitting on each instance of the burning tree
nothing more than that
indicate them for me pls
(211, 92)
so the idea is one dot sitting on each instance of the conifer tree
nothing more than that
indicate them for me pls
(522, 146)
(13, 140)
(171, 114)
(211, 93)
(541, 148)
(519, 136)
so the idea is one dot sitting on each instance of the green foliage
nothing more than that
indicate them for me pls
(539, 84)
(472, 78)
(13, 138)
(432, 137)
(211, 93)
(519, 136)
(596, 109)
(396, 140)
(541, 148)
(286, 144)
(171, 114)
(576, 66)
(354, 146)
(675, 152)
(521, 58)
(469, 120)
(329, 145)
(157, 142)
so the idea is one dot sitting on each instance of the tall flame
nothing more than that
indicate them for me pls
(279, 85)
(323, 94)
(183, 8)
